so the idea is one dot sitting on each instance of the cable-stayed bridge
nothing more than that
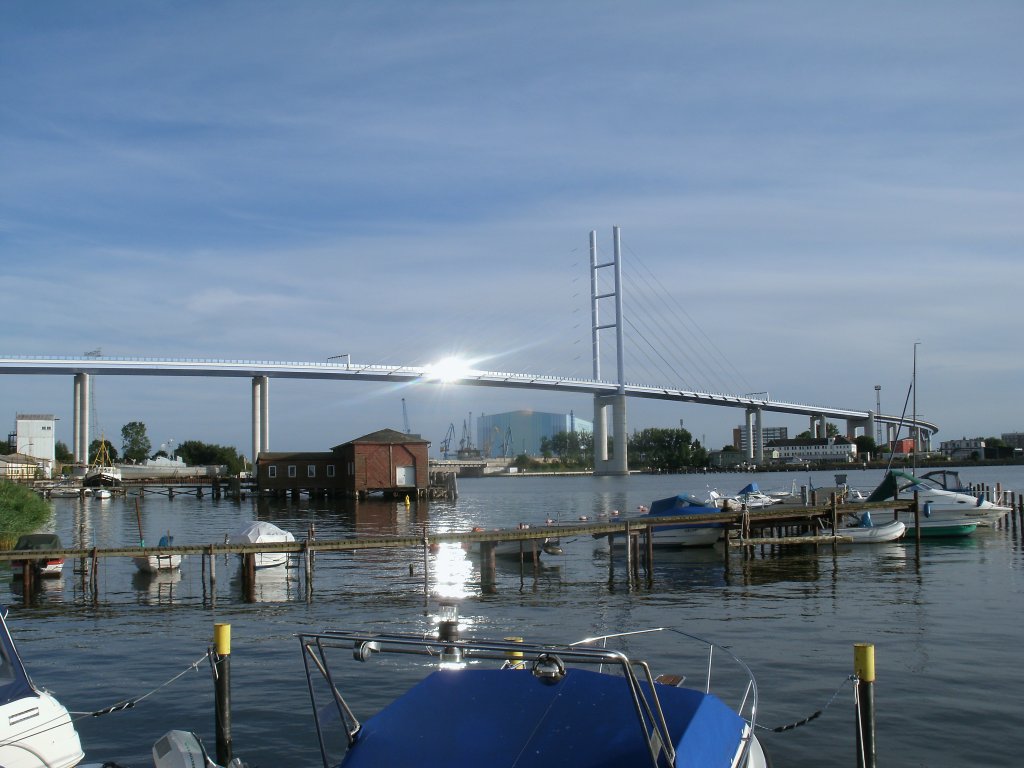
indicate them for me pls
(605, 393)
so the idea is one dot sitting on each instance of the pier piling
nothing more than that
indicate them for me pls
(864, 669)
(222, 686)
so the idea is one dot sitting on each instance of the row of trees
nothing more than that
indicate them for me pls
(653, 449)
(136, 447)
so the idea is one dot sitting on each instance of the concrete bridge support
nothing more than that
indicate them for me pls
(618, 463)
(260, 416)
(755, 436)
(80, 419)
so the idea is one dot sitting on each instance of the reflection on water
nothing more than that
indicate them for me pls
(791, 613)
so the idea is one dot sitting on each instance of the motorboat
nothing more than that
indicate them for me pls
(35, 729)
(155, 563)
(676, 534)
(754, 498)
(509, 702)
(525, 549)
(49, 566)
(262, 532)
(750, 496)
(936, 503)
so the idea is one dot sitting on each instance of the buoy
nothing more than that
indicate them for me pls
(407, 500)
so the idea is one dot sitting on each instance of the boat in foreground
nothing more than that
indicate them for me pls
(503, 703)
(262, 532)
(35, 729)
(50, 567)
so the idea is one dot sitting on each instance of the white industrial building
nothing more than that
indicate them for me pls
(826, 449)
(34, 436)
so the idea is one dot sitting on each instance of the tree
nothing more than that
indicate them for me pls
(62, 453)
(134, 442)
(196, 453)
(94, 448)
(665, 450)
(865, 445)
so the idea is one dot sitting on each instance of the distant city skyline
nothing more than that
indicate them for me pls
(805, 192)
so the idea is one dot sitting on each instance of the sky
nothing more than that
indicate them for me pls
(807, 192)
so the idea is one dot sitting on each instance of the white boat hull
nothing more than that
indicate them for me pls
(875, 534)
(665, 538)
(37, 731)
(157, 563)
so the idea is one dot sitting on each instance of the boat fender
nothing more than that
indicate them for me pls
(981, 500)
(927, 509)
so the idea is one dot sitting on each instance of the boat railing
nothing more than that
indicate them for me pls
(543, 659)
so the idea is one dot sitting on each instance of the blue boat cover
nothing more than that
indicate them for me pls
(683, 504)
(749, 488)
(504, 718)
(14, 681)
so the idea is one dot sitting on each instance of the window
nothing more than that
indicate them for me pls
(351, 468)
(291, 471)
(272, 471)
(311, 470)
(330, 470)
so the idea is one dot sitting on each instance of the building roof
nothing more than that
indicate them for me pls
(386, 437)
(35, 417)
(295, 456)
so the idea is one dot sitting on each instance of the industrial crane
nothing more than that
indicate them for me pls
(446, 444)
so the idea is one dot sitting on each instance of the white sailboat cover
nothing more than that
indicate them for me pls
(259, 532)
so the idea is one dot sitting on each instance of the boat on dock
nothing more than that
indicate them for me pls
(35, 729)
(594, 703)
(262, 532)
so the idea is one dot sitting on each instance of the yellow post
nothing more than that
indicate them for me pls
(222, 639)
(864, 669)
(222, 690)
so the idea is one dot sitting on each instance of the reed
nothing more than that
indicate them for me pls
(21, 511)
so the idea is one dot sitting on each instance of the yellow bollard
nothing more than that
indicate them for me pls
(864, 669)
(222, 639)
(222, 691)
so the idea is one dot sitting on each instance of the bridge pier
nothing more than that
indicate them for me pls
(260, 416)
(618, 464)
(82, 394)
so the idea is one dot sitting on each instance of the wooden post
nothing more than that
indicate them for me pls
(488, 567)
(864, 669)
(629, 554)
(222, 686)
(649, 541)
(249, 576)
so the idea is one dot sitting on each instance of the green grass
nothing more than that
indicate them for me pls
(21, 511)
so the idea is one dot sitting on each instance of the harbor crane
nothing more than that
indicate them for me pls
(446, 444)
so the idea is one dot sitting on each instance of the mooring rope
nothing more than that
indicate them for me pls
(814, 715)
(129, 703)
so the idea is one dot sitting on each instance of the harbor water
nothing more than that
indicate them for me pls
(946, 626)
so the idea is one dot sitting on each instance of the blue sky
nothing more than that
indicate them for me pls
(804, 190)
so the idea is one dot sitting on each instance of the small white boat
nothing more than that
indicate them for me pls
(156, 563)
(594, 703)
(866, 532)
(262, 532)
(35, 729)
(102, 493)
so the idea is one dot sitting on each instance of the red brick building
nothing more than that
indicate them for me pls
(386, 461)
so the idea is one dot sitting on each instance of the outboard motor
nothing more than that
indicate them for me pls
(183, 749)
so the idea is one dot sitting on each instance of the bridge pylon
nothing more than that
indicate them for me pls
(618, 463)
